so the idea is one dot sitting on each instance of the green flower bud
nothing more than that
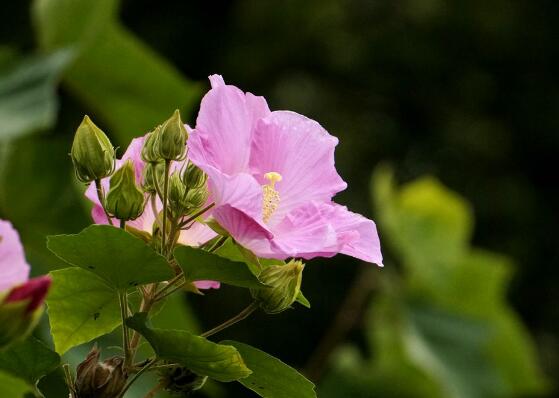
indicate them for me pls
(195, 198)
(172, 141)
(150, 150)
(100, 380)
(179, 380)
(125, 200)
(177, 195)
(92, 153)
(151, 171)
(284, 283)
(193, 177)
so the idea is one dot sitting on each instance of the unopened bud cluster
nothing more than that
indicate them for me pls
(96, 379)
(284, 285)
(187, 191)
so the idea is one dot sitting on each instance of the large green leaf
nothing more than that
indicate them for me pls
(271, 378)
(203, 357)
(13, 387)
(137, 91)
(200, 265)
(118, 257)
(81, 307)
(28, 94)
(29, 360)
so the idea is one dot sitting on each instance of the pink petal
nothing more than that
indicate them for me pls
(34, 290)
(244, 229)
(224, 127)
(196, 235)
(13, 266)
(357, 235)
(303, 153)
(207, 284)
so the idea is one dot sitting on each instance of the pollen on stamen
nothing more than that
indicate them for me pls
(271, 197)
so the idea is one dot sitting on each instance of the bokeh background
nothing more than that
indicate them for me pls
(447, 114)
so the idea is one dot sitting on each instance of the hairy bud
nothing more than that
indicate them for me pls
(150, 150)
(92, 153)
(193, 177)
(96, 379)
(172, 139)
(284, 283)
(154, 173)
(125, 200)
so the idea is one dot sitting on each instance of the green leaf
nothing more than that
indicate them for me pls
(28, 94)
(301, 299)
(141, 90)
(203, 357)
(81, 307)
(121, 259)
(200, 265)
(29, 360)
(13, 387)
(271, 378)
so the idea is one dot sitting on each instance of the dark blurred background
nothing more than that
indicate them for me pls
(463, 90)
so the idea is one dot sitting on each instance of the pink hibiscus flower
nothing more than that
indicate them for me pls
(272, 177)
(15, 285)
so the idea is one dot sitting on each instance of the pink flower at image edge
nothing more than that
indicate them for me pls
(14, 271)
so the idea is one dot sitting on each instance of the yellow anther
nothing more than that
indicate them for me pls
(273, 177)
(270, 196)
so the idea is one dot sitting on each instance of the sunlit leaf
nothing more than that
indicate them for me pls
(81, 307)
(118, 257)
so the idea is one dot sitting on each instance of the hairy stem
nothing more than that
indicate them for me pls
(99, 189)
(165, 192)
(135, 377)
(123, 301)
(237, 318)
(196, 215)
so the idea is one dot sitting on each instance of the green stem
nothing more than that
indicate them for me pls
(217, 244)
(69, 380)
(196, 215)
(123, 224)
(99, 189)
(123, 301)
(135, 377)
(155, 389)
(237, 318)
(167, 287)
(153, 198)
(165, 192)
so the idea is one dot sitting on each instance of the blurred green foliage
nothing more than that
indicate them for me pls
(465, 90)
(441, 327)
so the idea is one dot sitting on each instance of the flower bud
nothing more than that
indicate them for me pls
(92, 153)
(96, 379)
(151, 171)
(193, 177)
(284, 283)
(172, 139)
(177, 194)
(125, 200)
(195, 198)
(179, 380)
(21, 309)
(150, 150)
